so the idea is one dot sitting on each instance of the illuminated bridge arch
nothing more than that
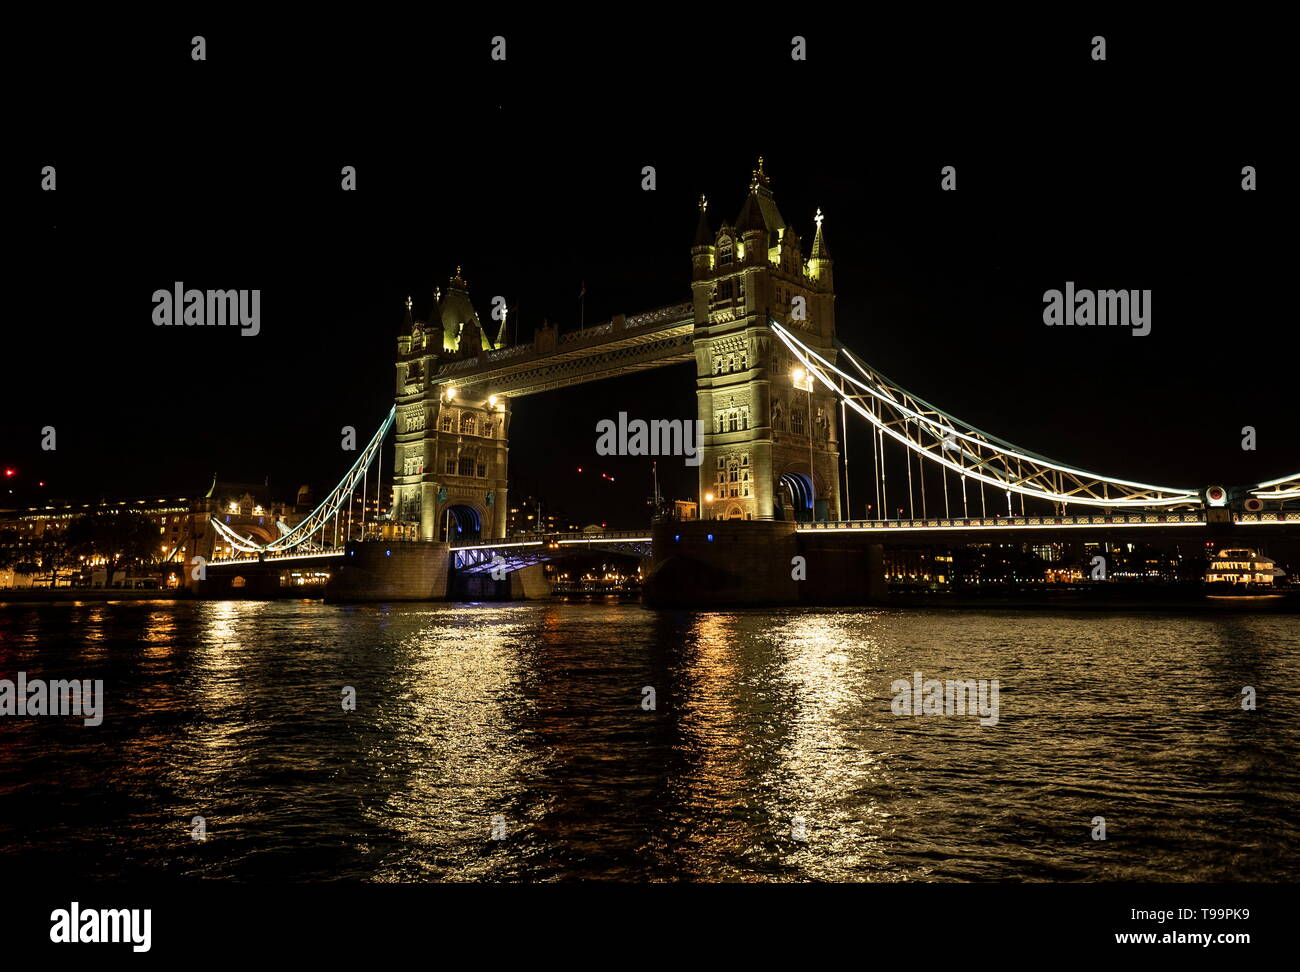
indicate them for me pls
(461, 523)
(798, 488)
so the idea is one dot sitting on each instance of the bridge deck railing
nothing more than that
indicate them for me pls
(275, 558)
(519, 539)
(1269, 516)
(966, 523)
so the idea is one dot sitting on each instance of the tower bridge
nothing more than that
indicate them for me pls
(774, 389)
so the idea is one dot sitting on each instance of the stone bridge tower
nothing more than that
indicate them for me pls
(451, 444)
(771, 442)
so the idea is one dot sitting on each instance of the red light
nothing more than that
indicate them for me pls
(579, 469)
(9, 472)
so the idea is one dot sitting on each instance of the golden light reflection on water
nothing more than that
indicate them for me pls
(775, 720)
(827, 772)
(159, 636)
(93, 630)
(532, 711)
(457, 703)
(217, 693)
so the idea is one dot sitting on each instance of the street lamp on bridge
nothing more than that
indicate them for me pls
(802, 379)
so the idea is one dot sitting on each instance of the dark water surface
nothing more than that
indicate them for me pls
(231, 710)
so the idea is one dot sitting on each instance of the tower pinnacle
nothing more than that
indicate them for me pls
(819, 262)
(703, 235)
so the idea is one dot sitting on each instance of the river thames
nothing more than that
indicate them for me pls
(516, 742)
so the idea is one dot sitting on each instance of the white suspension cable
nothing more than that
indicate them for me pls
(977, 450)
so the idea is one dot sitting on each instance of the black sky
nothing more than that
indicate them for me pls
(1124, 174)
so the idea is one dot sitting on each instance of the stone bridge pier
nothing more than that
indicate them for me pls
(724, 563)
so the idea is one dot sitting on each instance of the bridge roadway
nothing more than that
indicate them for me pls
(524, 550)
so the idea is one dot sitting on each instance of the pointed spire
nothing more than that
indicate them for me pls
(820, 250)
(408, 321)
(759, 211)
(703, 235)
(819, 263)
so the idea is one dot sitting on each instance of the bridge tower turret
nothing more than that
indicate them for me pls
(771, 440)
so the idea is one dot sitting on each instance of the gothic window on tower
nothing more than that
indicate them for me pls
(481, 470)
(466, 466)
(726, 252)
(448, 421)
(467, 423)
(796, 421)
(449, 467)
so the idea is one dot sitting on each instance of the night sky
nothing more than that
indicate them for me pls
(225, 174)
